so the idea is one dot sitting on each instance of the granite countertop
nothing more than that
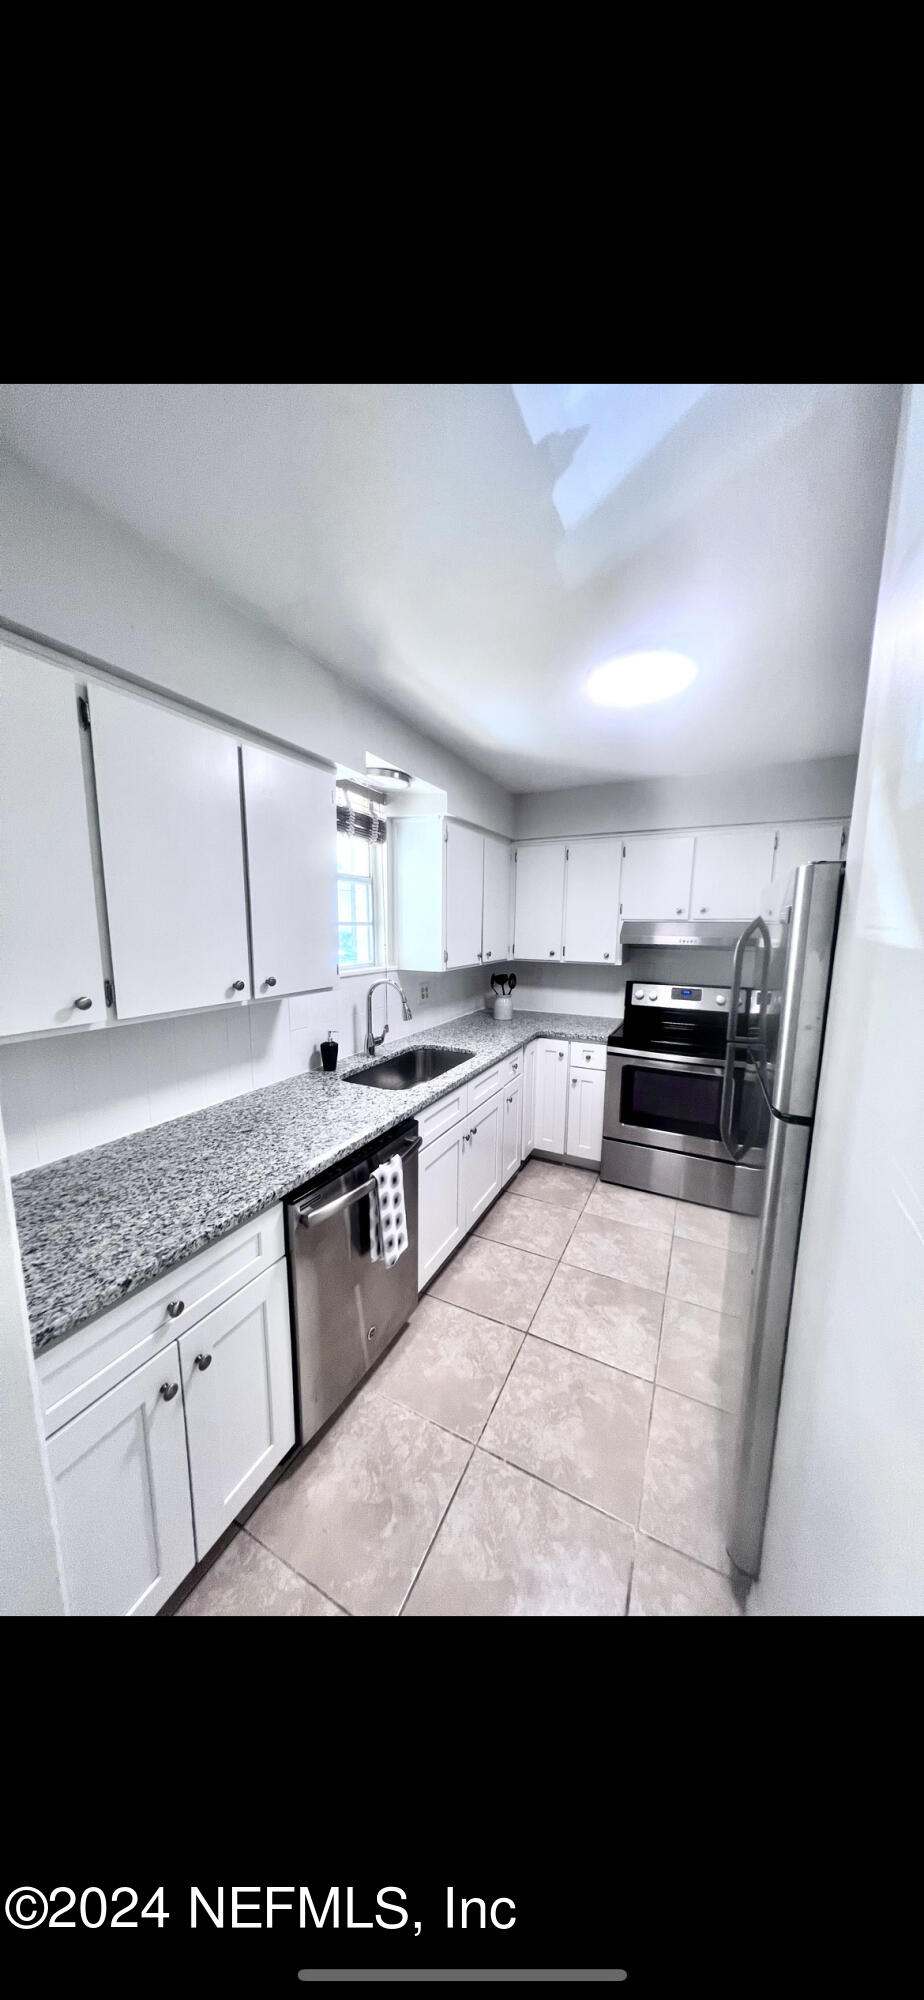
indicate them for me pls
(97, 1226)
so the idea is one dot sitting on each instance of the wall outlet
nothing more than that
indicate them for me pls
(425, 993)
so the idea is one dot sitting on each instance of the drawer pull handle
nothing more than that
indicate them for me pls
(175, 1308)
(203, 1361)
(515, 1068)
(168, 1390)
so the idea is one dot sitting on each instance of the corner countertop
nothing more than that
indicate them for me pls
(97, 1226)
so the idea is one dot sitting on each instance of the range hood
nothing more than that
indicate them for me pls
(683, 932)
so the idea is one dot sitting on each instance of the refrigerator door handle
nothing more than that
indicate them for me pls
(737, 1044)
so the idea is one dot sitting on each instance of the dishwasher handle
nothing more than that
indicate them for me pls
(311, 1216)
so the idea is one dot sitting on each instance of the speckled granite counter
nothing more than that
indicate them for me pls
(96, 1226)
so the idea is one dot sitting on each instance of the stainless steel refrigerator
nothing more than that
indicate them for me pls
(791, 970)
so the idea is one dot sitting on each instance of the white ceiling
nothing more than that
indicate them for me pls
(469, 551)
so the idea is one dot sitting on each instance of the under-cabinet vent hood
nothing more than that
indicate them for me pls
(680, 931)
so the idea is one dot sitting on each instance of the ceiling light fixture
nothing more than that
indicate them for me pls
(636, 678)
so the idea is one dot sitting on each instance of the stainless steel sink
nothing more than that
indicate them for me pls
(410, 1066)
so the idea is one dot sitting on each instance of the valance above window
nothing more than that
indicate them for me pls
(359, 816)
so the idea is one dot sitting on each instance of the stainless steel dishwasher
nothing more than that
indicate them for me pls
(346, 1308)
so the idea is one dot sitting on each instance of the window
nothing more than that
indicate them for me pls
(356, 913)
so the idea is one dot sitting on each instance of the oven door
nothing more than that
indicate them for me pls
(675, 1102)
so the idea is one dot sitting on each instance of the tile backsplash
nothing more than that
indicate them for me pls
(62, 1093)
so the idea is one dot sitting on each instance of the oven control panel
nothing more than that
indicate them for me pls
(700, 999)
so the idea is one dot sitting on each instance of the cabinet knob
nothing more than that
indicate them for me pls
(175, 1308)
(168, 1390)
(479, 954)
(473, 1131)
(237, 985)
(679, 911)
(203, 1361)
(83, 1003)
(574, 1083)
(561, 1055)
(270, 981)
(515, 1066)
(606, 954)
(488, 954)
(703, 909)
(552, 954)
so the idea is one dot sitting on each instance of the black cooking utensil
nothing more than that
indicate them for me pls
(494, 979)
(512, 982)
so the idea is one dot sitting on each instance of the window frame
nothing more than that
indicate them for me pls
(376, 880)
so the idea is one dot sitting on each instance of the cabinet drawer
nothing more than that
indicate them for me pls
(439, 1116)
(588, 1055)
(74, 1373)
(508, 1071)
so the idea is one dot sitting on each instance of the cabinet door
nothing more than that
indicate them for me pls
(551, 1096)
(731, 870)
(585, 1115)
(169, 795)
(540, 897)
(440, 1200)
(482, 1157)
(237, 1386)
(121, 1486)
(528, 1119)
(292, 873)
(464, 889)
(592, 901)
(496, 933)
(656, 872)
(806, 840)
(49, 937)
(512, 1132)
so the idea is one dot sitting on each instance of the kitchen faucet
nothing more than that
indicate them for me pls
(374, 1042)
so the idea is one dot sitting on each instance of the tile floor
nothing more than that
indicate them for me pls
(550, 1435)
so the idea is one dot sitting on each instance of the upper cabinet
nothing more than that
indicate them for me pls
(51, 973)
(731, 870)
(169, 798)
(291, 867)
(451, 895)
(592, 901)
(540, 900)
(656, 874)
(809, 840)
(497, 907)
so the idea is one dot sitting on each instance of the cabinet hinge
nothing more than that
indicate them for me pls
(843, 838)
(445, 958)
(83, 710)
(109, 992)
(620, 909)
(445, 833)
(567, 853)
(624, 851)
(776, 841)
(563, 951)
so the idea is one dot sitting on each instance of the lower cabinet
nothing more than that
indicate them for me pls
(459, 1175)
(512, 1131)
(550, 1097)
(481, 1166)
(121, 1486)
(585, 1115)
(237, 1388)
(150, 1472)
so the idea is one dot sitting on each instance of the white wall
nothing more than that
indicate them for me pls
(845, 1528)
(822, 789)
(76, 577)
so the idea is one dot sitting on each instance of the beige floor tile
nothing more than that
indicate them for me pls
(622, 1204)
(620, 1250)
(449, 1365)
(706, 1275)
(602, 1317)
(527, 1225)
(248, 1582)
(512, 1547)
(564, 1187)
(702, 1353)
(712, 1225)
(493, 1279)
(358, 1515)
(576, 1423)
(687, 1475)
(666, 1584)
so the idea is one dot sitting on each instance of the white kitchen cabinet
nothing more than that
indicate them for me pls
(464, 893)
(440, 1199)
(483, 1157)
(550, 1096)
(237, 1387)
(731, 869)
(528, 1114)
(656, 875)
(449, 900)
(121, 1488)
(51, 973)
(540, 898)
(169, 797)
(805, 840)
(511, 1139)
(592, 901)
(292, 873)
(497, 907)
(585, 1115)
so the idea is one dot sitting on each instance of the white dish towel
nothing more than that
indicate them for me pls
(387, 1219)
